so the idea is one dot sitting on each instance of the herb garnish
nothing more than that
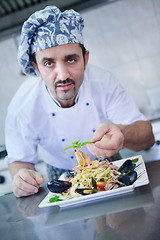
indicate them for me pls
(55, 199)
(135, 160)
(76, 144)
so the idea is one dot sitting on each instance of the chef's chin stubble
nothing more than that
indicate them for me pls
(66, 98)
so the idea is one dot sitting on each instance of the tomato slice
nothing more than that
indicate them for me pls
(101, 185)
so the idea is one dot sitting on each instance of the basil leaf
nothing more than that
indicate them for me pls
(68, 148)
(135, 160)
(76, 144)
(55, 199)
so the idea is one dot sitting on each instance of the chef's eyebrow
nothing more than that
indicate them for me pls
(48, 59)
(74, 55)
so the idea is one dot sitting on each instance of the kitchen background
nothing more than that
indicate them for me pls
(123, 37)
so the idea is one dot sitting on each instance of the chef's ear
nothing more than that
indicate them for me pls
(34, 62)
(36, 67)
(86, 58)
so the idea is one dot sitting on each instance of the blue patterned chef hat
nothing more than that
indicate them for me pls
(45, 29)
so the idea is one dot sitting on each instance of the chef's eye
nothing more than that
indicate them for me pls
(71, 60)
(48, 64)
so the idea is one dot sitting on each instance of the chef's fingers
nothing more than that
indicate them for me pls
(108, 137)
(103, 129)
(114, 142)
(38, 177)
(21, 193)
(30, 176)
(22, 188)
(101, 153)
(26, 182)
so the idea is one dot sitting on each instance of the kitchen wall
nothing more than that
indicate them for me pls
(123, 37)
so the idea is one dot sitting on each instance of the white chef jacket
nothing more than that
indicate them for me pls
(36, 118)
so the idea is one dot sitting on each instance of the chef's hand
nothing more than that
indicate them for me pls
(26, 182)
(107, 141)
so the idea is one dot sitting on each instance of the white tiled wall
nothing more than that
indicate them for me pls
(123, 37)
(10, 79)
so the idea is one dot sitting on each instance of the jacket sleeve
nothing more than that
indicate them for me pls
(120, 106)
(21, 140)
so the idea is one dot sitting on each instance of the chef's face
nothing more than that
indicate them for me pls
(62, 69)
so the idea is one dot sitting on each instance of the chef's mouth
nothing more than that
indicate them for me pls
(62, 83)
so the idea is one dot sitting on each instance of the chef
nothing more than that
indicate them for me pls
(65, 100)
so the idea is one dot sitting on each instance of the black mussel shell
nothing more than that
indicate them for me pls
(127, 167)
(85, 191)
(94, 184)
(58, 186)
(2, 179)
(128, 178)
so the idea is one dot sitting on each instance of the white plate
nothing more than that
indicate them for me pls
(141, 180)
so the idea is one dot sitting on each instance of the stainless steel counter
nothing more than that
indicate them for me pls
(131, 216)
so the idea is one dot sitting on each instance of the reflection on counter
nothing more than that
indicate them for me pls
(107, 206)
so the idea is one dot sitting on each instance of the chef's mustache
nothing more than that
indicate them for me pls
(68, 80)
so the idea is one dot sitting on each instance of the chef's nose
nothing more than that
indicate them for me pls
(62, 71)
